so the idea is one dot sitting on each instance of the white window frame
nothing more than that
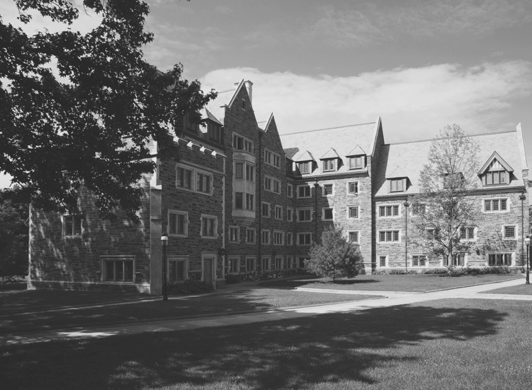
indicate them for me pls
(269, 209)
(230, 236)
(467, 239)
(403, 185)
(254, 235)
(392, 205)
(329, 164)
(114, 259)
(503, 232)
(253, 262)
(323, 214)
(268, 183)
(385, 232)
(304, 209)
(385, 261)
(289, 214)
(289, 239)
(268, 260)
(186, 223)
(269, 241)
(276, 183)
(357, 185)
(178, 259)
(278, 234)
(309, 191)
(304, 234)
(194, 179)
(491, 211)
(308, 163)
(352, 159)
(512, 258)
(323, 194)
(247, 144)
(353, 207)
(73, 222)
(419, 255)
(353, 231)
(215, 226)
(279, 212)
(233, 260)
(289, 190)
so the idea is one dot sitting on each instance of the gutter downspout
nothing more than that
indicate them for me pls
(259, 201)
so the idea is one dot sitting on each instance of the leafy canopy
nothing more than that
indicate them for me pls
(335, 257)
(81, 109)
(445, 184)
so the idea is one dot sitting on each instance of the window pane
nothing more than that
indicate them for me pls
(173, 224)
(109, 270)
(68, 225)
(239, 200)
(239, 170)
(128, 270)
(119, 271)
(503, 204)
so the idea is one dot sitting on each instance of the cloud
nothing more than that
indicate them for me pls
(414, 103)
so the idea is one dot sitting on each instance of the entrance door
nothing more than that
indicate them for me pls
(208, 275)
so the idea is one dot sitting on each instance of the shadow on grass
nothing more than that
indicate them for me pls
(284, 354)
(293, 283)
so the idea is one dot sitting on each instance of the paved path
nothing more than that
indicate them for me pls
(391, 299)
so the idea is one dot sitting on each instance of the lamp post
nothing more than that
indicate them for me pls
(164, 242)
(527, 240)
(406, 204)
(522, 198)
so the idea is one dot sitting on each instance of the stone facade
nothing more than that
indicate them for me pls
(239, 198)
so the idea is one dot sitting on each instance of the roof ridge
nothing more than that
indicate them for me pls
(329, 128)
(432, 139)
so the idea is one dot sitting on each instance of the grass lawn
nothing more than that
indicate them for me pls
(523, 289)
(407, 283)
(447, 344)
(17, 316)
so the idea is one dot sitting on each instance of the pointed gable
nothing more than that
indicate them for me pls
(331, 153)
(497, 161)
(356, 151)
(304, 156)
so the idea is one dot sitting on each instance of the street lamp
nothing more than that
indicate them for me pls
(164, 242)
(406, 204)
(527, 240)
(522, 198)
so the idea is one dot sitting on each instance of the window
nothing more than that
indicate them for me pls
(265, 263)
(494, 178)
(290, 262)
(304, 238)
(397, 185)
(290, 190)
(233, 265)
(241, 143)
(328, 189)
(467, 233)
(418, 209)
(495, 205)
(289, 214)
(118, 268)
(352, 212)
(267, 183)
(353, 236)
(250, 173)
(357, 162)
(239, 200)
(305, 167)
(214, 132)
(248, 145)
(250, 236)
(303, 191)
(278, 238)
(265, 237)
(389, 236)
(234, 234)
(304, 215)
(193, 179)
(278, 212)
(250, 202)
(276, 186)
(329, 165)
(352, 188)
(419, 261)
(457, 259)
(278, 262)
(272, 158)
(289, 239)
(177, 269)
(267, 156)
(509, 232)
(239, 170)
(495, 259)
(389, 211)
(383, 261)
(276, 160)
(209, 226)
(177, 223)
(72, 225)
(250, 264)
(327, 213)
(265, 212)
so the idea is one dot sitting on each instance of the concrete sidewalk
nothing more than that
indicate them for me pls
(392, 299)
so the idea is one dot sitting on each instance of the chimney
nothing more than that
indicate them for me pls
(249, 88)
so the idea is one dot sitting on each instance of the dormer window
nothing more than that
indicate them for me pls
(357, 162)
(214, 132)
(305, 167)
(398, 185)
(496, 178)
(329, 165)
(495, 171)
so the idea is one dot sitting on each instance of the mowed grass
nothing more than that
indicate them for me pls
(447, 344)
(406, 283)
(524, 289)
(16, 317)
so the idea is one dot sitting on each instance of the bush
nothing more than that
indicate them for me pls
(189, 287)
(232, 279)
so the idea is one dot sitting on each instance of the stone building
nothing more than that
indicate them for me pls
(239, 198)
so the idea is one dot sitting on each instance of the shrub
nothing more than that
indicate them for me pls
(189, 287)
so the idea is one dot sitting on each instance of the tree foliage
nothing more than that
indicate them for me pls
(335, 257)
(81, 109)
(445, 185)
(13, 237)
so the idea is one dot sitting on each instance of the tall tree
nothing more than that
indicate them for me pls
(335, 256)
(446, 209)
(13, 236)
(81, 109)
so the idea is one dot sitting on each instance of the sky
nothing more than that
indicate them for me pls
(417, 64)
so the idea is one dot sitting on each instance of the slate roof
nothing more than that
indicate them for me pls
(320, 142)
(407, 159)
(216, 108)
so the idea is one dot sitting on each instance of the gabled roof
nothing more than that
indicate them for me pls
(304, 156)
(495, 156)
(216, 107)
(396, 173)
(331, 153)
(357, 151)
(412, 156)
